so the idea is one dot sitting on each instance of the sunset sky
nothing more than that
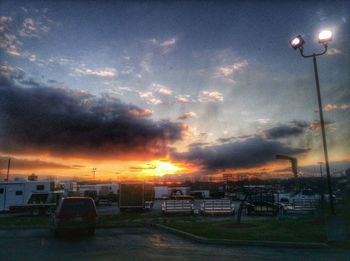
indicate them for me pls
(140, 89)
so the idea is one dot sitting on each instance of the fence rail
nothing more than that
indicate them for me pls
(212, 207)
(177, 206)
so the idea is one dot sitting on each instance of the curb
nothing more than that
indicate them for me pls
(240, 242)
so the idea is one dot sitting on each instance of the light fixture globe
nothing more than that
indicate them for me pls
(325, 36)
(297, 42)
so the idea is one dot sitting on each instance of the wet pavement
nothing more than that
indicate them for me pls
(140, 244)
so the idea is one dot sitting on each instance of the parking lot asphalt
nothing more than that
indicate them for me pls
(140, 244)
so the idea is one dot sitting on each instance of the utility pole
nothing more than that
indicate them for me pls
(321, 168)
(325, 150)
(322, 182)
(8, 169)
(93, 173)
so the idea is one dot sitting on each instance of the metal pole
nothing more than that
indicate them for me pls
(321, 169)
(322, 183)
(329, 181)
(8, 169)
(93, 173)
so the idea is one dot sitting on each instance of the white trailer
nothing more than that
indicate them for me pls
(161, 192)
(102, 189)
(69, 187)
(305, 194)
(102, 193)
(177, 191)
(26, 195)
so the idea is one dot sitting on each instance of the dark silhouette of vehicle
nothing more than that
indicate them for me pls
(75, 214)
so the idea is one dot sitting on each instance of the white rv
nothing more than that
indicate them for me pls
(101, 193)
(101, 189)
(22, 194)
(69, 187)
(161, 192)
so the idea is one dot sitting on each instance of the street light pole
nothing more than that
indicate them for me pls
(325, 150)
(297, 43)
(321, 183)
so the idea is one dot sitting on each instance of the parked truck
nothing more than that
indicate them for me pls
(36, 197)
(136, 195)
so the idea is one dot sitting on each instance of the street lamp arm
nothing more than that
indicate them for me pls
(301, 49)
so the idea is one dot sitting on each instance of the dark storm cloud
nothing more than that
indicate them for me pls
(285, 131)
(199, 144)
(249, 153)
(53, 81)
(19, 163)
(69, 123)
(31, 82)
(224, 140)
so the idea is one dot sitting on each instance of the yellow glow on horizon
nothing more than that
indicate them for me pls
(164, 167)
(139, 169)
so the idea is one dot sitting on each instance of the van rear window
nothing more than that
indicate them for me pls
(78, 205)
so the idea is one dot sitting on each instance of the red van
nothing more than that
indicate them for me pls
(75, 214)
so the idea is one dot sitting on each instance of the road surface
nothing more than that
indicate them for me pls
(140, 244)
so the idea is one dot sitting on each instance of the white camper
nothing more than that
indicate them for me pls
(101, 193)
(101, 189)
(177, 191)
(69, 187)
(20, 193)
(161, 192)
